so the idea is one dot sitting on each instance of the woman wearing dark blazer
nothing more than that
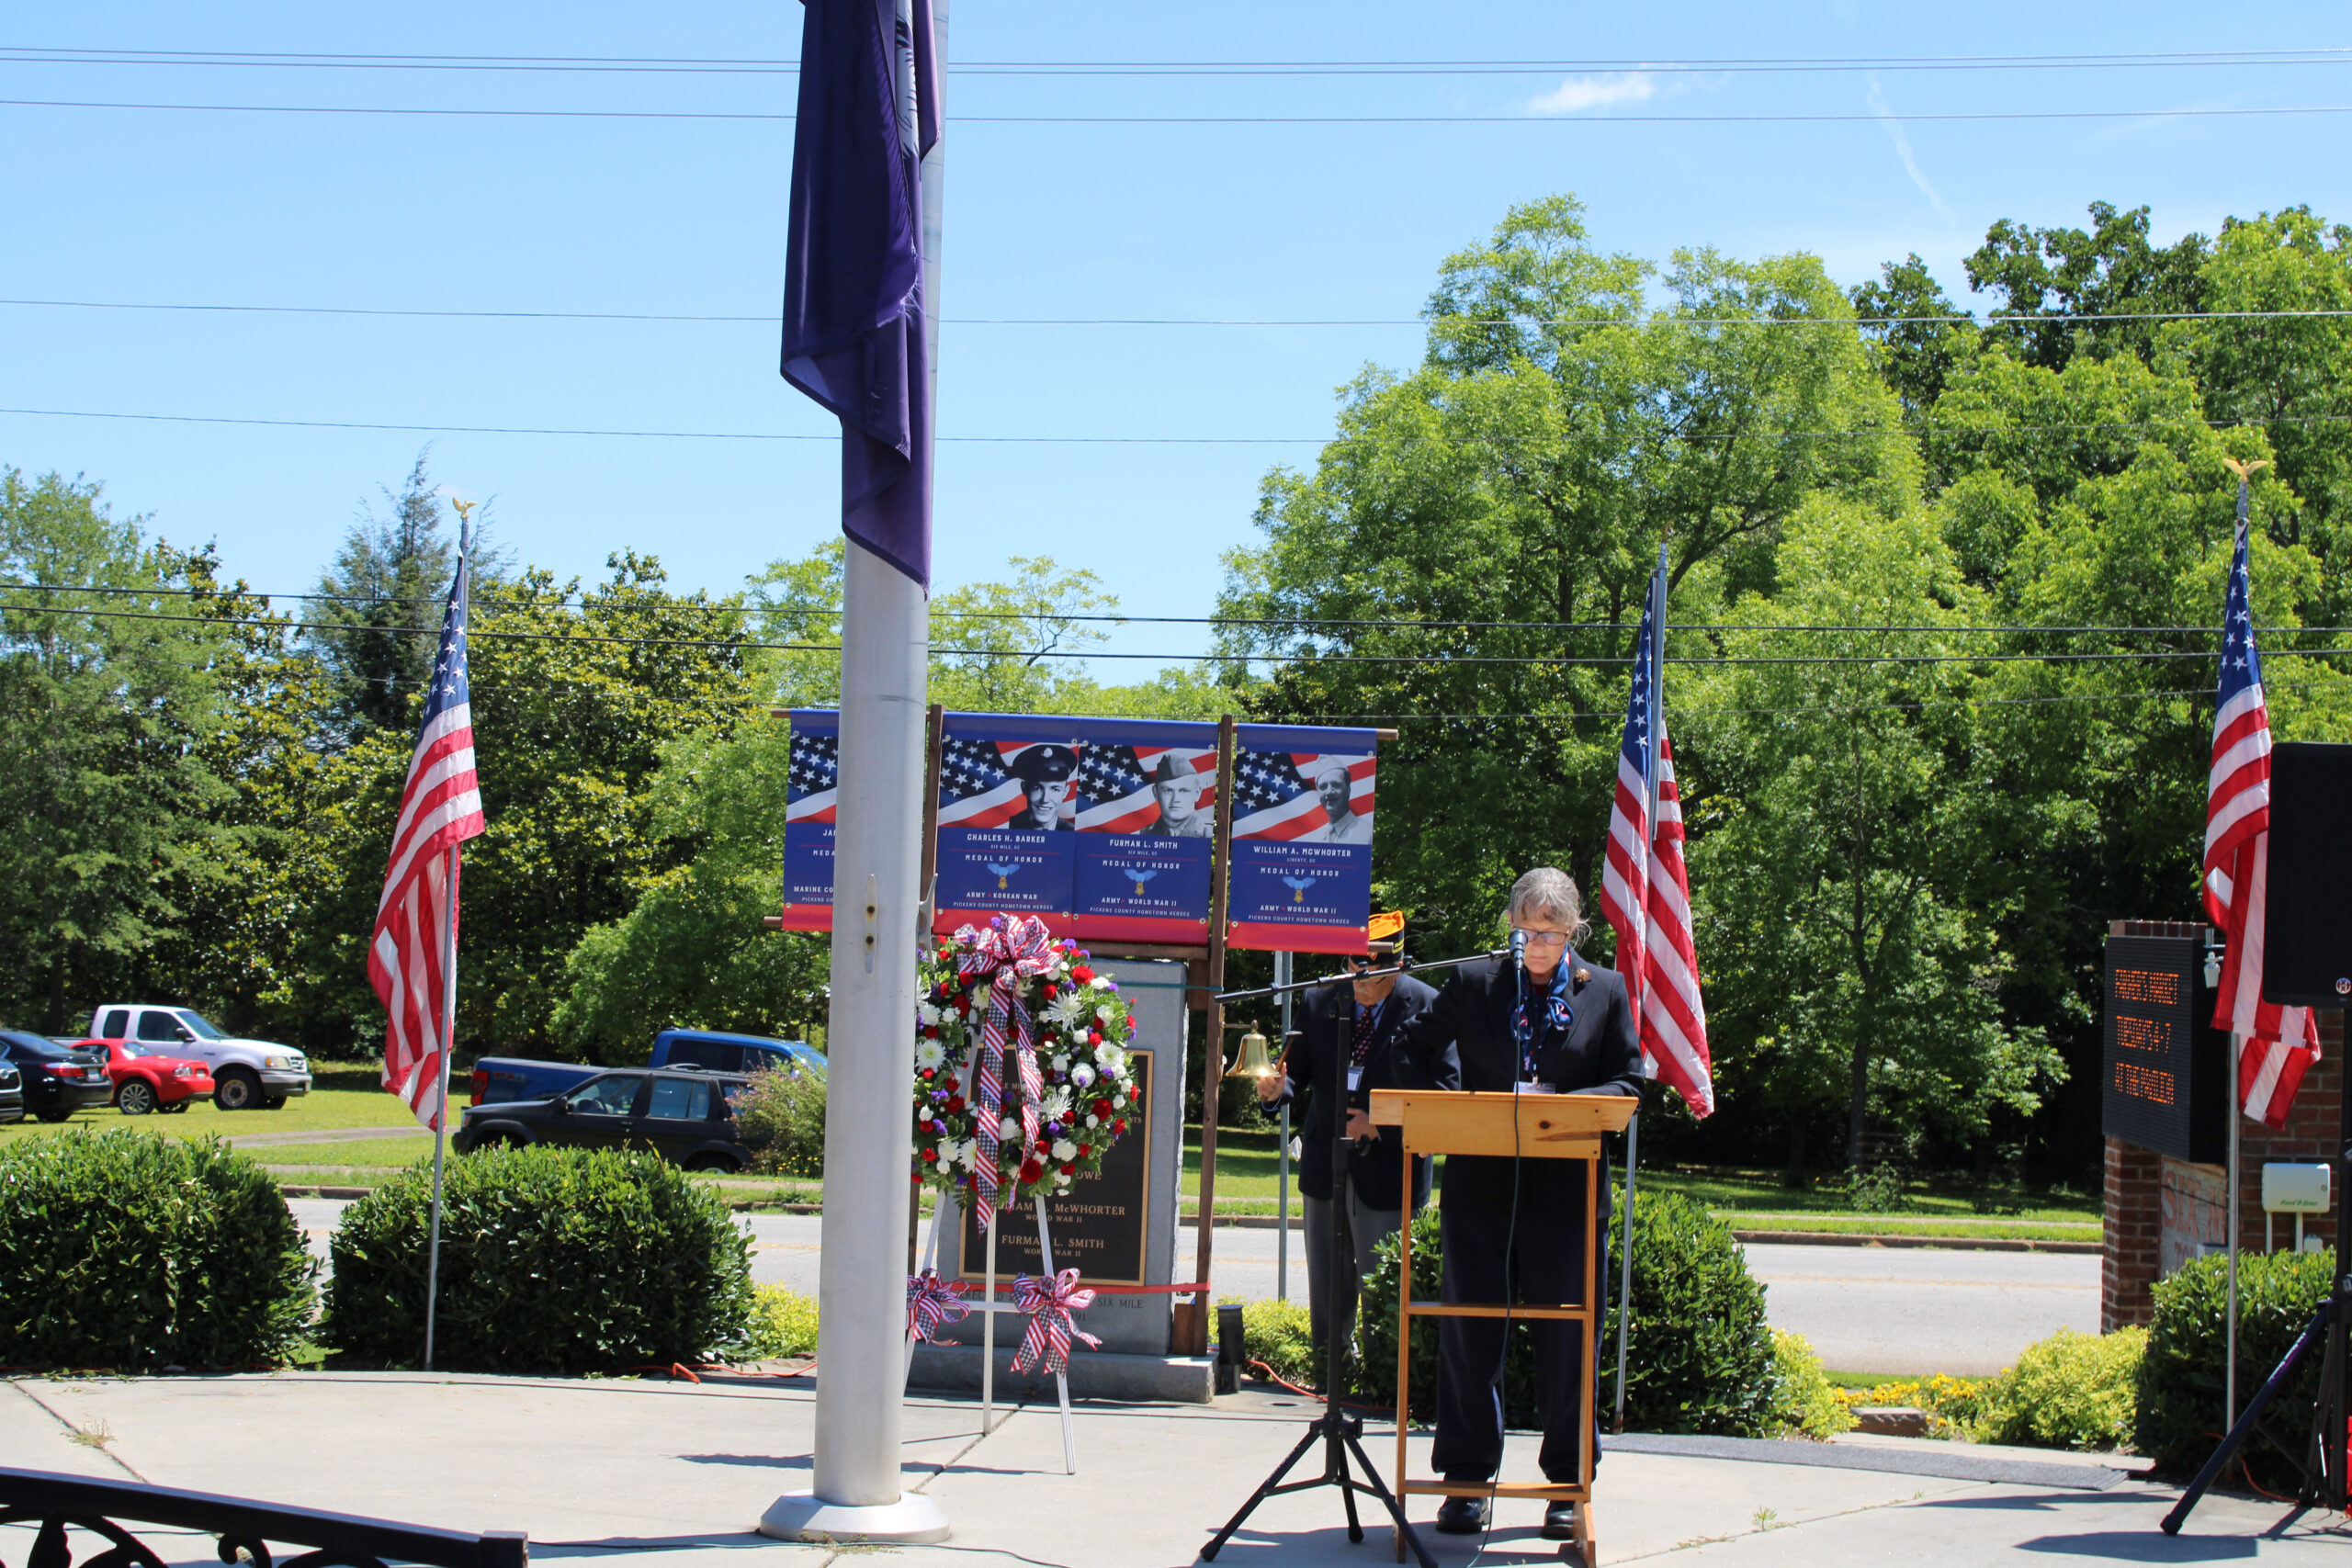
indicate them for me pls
(1513, 1230)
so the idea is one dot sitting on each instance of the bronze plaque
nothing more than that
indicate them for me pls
(1099, 1225)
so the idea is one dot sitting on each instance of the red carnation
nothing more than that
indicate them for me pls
(1030, 1172)
(955, 1103)
(964, 1005)
(1094, 1037)
(1069, 1170)
(1120, 1125)
(1080, 973)
(931, 1031)
(1049, 990)
(1102, 1108)
(932, 1154)
(1085, 1149)
(1134, 1093)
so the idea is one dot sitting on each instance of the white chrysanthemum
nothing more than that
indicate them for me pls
(1061, 1063)
(1057, 1106)
(1092, 1120)
(1111, 1060)
(929, 1054)
(1082, 1075)
(1064, 1150)
(1103, 1014)
(1008, 1130)
(1067, 1009)
(926, 1012)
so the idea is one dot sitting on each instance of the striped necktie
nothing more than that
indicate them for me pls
(1365, 1018)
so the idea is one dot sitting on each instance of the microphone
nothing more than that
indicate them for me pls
(1518, 947)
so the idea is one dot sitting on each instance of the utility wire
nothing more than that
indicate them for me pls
(770, 319)
(1117, 619)
(1986, 432)
(1969, 115)
(699, 66)
(1556, 661)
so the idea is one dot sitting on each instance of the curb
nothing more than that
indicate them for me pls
(1949, 1243)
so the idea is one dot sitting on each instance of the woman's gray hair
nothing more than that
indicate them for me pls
(1548, 891)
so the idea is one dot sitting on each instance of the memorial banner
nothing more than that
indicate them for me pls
(1008, 808)
(1146, 831)
(1303, 803)
(812, 779)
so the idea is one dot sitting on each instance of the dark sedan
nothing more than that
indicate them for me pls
(686, 1117)
(57, 1082)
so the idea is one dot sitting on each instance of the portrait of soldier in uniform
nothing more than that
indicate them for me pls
(1044, 774)
(1332, 787)
(1176, 785)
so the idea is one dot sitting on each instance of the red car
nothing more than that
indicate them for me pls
(148, 1080)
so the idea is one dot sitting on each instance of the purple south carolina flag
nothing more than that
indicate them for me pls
(853, 282)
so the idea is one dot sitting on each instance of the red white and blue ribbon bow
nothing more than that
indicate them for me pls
(931, 1301)
(1005, 958)
(1048, 1306)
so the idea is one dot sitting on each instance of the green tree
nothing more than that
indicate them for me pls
(2110, 269)
(106, 695)
(376, 625)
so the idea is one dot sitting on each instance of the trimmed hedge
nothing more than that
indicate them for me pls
(2180, 1386)
(133, 1252)
(553, 1260)
(2070, 1391)
(1698, 1356)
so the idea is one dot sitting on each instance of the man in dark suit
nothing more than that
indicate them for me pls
(1514, 1230)
(1342, 1049)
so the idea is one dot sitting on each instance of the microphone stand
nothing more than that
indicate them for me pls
(1339, 1432)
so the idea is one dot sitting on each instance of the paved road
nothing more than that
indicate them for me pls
(1891, 1310)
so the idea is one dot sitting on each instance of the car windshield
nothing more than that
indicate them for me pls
(194, 1021)
(127, 1048)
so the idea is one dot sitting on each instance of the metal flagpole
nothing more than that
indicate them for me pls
(2230, 1332)
(856, 1492)
(441, 1105)
(1655, 660)
(1282, 1161)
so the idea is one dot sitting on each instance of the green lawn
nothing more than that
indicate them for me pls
(343, 1094)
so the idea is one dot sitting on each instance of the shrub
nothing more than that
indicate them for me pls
(1806, 1403)
(784, 1323)
(782, 1116)
(1877, 1190)
(1698, 1355)
(2070, 1391)
(1277, 1333)
(135, 1252)
(552, 1260)
(2180, 1388)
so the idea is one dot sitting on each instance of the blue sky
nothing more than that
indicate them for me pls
(1057, 222)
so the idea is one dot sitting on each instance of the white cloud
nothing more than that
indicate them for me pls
(1903, 146)
(1597, 92)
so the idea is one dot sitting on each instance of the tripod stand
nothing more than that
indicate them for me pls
(2323, 1484)
(1341, 1434)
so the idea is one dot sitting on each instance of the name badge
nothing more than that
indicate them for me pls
(1529, 1086)
(1355, 1079)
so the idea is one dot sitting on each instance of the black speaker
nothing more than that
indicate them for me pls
(2307, 947)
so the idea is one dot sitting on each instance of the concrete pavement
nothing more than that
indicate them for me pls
(602, 1468)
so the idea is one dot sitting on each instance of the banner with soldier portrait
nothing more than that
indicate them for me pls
(1008, 812)
(1146, 831)
(812, 779)
(1303, 802)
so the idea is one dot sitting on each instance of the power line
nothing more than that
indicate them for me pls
(655, 64)
(1116, 618)
(770, 319)
(1552, 661)
(1968, 116)
(1881, 432)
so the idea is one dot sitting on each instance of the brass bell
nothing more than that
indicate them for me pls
(1253, 1062)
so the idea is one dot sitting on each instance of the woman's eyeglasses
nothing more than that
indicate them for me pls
(1541, 939)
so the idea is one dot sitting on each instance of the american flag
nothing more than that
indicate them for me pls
(2281, 1043)
(1114, 785)
(1644, 889)
(413, 952)
(1275, 794)
(812, 777)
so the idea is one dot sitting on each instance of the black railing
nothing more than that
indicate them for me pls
(104, 1508)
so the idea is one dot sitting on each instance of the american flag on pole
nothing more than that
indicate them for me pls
(2279, 1044)
(412, 954)
(1644, 889)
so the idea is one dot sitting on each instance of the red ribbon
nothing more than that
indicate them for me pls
(1048, 1307)
(931, 1301)
(1003, 956)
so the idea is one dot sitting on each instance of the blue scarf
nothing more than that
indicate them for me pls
(1557, 1015)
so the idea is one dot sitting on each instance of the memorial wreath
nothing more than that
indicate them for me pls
(1023, 1080)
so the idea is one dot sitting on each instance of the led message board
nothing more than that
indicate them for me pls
(2165, 1070)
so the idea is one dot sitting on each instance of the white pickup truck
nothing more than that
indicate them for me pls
(245, 1073)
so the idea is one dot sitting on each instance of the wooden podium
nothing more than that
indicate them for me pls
(1533, 1126)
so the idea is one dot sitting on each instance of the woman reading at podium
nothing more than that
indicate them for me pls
(1548, 1023)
